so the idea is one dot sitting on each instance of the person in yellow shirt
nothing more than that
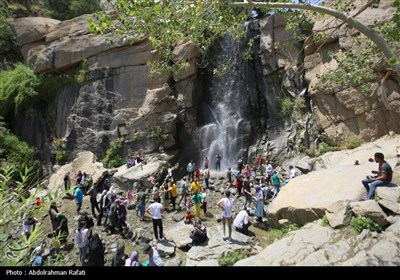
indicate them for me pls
(174, 193)
(195, 187)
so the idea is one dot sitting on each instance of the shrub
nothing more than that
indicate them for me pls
(351, 143)
(325, 222)
(17, 88)
(361, 223)
(286, 106)
(114, 156)
(156, 134)
(15, 151)
(231, 258)
(278, 233)
(67, 9)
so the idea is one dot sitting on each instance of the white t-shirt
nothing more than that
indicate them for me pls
(241, 218)
(156, 210)
(292, 173)
(270, 169)
(226, 205)
(81, 237)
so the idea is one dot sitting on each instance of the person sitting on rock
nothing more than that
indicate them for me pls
(198, 233)
(187, 218)
(382, 177)
(241, 222)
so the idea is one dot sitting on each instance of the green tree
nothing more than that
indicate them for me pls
(165, 23)
(15, 151)
(67, 9)
(17, 88)
(9, 50)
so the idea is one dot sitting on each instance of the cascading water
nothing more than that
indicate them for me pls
(225, 116)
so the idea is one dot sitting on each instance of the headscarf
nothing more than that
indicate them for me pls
(134, 259)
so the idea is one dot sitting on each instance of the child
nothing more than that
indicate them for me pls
(197, 173)
(204, 202)
(187, 219)
(39, 202)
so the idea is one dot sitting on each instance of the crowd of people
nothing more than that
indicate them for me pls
(258, 185)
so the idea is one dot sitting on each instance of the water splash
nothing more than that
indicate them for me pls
(223, 132)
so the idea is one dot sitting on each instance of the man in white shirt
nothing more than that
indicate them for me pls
(155, 210)
(226, 205)
(241, 221)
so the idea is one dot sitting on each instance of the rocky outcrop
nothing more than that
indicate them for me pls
(314, 245)
(116, 88)
(347, 111)
(84, 162)
(337, 181)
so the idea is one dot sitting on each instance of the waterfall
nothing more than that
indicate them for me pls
(224, 131)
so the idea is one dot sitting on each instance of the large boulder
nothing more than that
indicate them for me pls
(306, 198)
(85, 162)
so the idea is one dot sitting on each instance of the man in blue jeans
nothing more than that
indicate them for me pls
(383, 176)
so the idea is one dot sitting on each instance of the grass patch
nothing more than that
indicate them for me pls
(361, 223)
(279, 233)
(231, 258)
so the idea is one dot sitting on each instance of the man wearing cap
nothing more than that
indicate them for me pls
(154, 256)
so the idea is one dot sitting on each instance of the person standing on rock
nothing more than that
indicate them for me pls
(155, 209)
(78, 194)
(141, 203)
(382, 178)
(183, 191)
(218, 159)
(225, 204)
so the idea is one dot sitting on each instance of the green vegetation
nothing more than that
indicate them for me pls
(81, 72)
(18, 87)
(15, 151)
(114, 156)
(286, 106)
(61, 153)
(156, 134)
(279, 233)
(361, 223)
(67, 9)
(323, 148)
(168, 23)
(351, 143)
(9, 50)
(364, 62)
(17, 205)
(231, 258)
(325, 222)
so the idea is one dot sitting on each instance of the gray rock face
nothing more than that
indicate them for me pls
(116, 89)
(314, 245)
